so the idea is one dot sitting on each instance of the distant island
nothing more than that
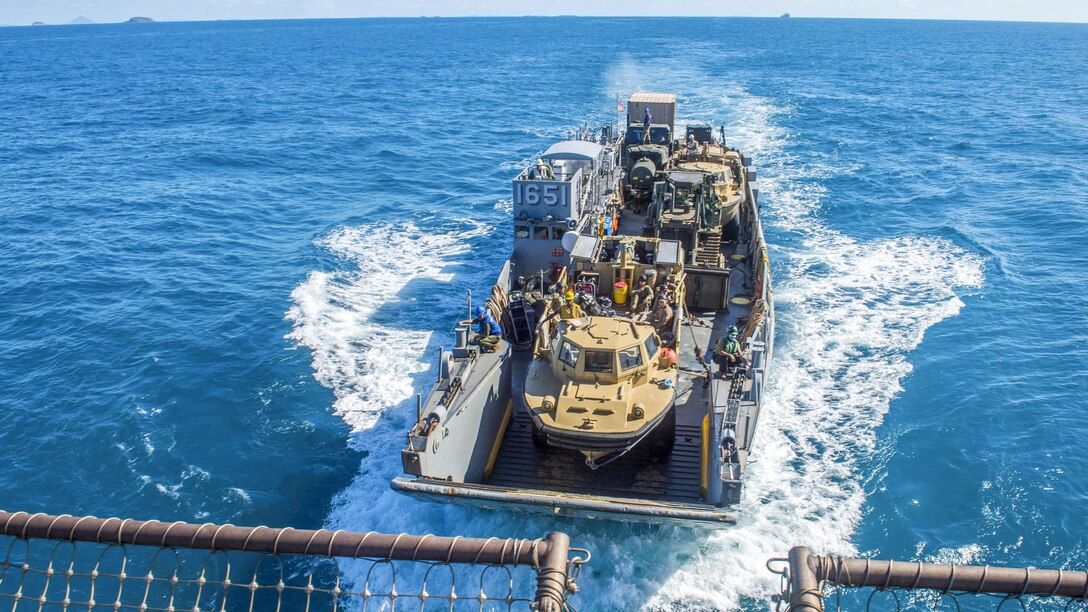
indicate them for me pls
(81, 20)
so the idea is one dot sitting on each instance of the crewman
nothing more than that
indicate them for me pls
(727, 353)
(642, 296)
(662, 316)
(667, 288)
(570, 310)
(693, 146)
(488, 326)
(555, 297)
(647, 118)
(544, 170)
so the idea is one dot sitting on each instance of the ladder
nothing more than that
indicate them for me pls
(709, 252)
(521, 323)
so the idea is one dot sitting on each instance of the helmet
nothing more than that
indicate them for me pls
(732, 329)
(642, 278)
(570, 295)
(480, 311)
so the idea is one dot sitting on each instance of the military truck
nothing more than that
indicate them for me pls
(646, 151)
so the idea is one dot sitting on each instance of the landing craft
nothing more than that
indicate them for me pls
(588, 403)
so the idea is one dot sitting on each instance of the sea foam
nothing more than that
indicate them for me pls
(332, 313)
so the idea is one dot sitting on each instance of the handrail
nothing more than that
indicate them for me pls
(286, 540)
(549, 556)
(808, 573)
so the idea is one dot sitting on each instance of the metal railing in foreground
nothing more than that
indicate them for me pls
(65, 562)
(811, 580)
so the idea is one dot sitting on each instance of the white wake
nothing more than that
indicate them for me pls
(367, 364)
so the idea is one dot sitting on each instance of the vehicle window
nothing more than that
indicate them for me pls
(630, 358)
(557, 233)
(569, 354)
(651, 347)
(521, 231)
(599, 361)
(540, 232)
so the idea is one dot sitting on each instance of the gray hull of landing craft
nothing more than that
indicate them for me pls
(473, 444)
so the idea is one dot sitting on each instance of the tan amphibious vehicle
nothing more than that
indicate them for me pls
(600, 386)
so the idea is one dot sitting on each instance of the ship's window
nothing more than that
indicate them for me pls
(557, 233)
(569, 353)
(651, 347)
(521, 231)
(630, 358)
(599, 361)
(540, 232)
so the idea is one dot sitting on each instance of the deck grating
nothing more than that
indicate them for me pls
(521, 465)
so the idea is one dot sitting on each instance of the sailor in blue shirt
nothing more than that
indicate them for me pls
(487, 324)
(646, 119)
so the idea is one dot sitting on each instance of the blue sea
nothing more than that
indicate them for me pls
(230, 251)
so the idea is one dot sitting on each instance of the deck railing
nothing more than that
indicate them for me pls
(64, 562)
(809, 581)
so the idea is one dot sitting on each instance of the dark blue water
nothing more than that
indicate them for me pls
(229, 250)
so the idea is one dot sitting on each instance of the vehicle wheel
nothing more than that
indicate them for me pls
(540, 438)
(663, 437)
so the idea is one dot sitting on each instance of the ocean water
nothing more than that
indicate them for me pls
(230, 251)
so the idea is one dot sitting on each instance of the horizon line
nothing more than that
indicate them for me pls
(531, 16)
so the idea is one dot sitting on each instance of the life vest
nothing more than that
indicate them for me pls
(570, 311)
(495, 329)
(731, 347)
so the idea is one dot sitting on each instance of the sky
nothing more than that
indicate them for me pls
(20, 12)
